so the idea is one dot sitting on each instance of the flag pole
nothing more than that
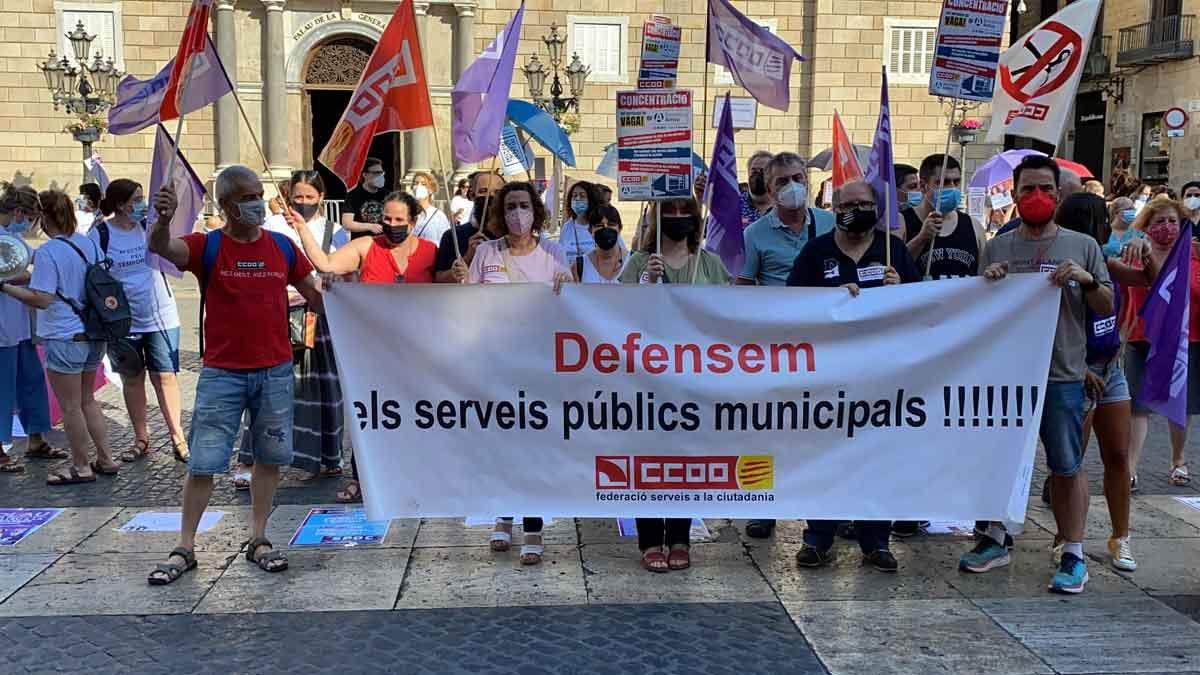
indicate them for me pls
(169, 177)
(242, 109)
(942, 181)
(437, 143)
(887, 220)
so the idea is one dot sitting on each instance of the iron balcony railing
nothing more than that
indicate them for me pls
(1165, 39)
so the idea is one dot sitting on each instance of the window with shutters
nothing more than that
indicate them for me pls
(908, 49)
(102, 19)
(723, 77)
(602, 44)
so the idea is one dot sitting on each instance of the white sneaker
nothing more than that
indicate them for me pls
(1121, 554)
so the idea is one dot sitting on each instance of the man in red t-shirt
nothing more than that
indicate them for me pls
(247, 356)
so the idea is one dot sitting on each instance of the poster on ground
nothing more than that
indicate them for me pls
(967, 49)
(660, 54)
(339, 527)
(168, 521)
(654, 145)
(16, 524)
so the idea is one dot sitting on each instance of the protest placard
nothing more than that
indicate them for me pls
(16, 524)
(660, 54)
(654, 145)
(339, 527)
(745, 111)
(967, 49)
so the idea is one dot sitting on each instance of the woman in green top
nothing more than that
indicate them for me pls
(677, 262)
(681, 260)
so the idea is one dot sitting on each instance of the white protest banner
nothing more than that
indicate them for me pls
(660, 54)
(909, 403)
(1040, 73)
(654, 145)
(967, 49)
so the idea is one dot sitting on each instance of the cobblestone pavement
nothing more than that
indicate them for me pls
(433, 598)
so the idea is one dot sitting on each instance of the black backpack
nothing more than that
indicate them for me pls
(105, 312)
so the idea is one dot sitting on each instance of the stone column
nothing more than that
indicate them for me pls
(227, 123)
(420, 140)
(464, 54)
(274, 108)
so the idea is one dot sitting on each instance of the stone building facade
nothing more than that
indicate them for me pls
(296, 61)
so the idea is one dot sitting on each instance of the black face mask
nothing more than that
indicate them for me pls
(395, 235)
(606, 238)
(677, 228)
(758, 185)
(306, 211)
(856, 221)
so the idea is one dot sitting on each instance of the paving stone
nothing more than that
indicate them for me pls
(1169, 506)
(286, 519)
(786, 532)
(1026, 576)
(65, 532)
(1165, 566)
(226, 536)
(315, 581)
(846, 578)
(79, 584)
(1145, 522)
(910, 637)
(1187, 605)
(444, 532)
(1099, 634)
(17, 570)
(719, 573)
(477, 577)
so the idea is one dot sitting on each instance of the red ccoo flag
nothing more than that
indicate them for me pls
(193, 41)
(845, 162)
(391, 96)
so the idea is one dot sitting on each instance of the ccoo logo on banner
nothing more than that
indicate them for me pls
(1039, 74)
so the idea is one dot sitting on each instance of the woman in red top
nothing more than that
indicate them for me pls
(1141, 260)
(388, 258)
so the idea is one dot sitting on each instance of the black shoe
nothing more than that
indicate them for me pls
(908, 528)
(847, 530)
(760, 529)
(882, 560)
(811, 557)
(1046, 491)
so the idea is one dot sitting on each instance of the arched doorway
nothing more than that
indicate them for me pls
(329, 78)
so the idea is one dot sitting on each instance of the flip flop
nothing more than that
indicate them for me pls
(72, 477)
(45, 451)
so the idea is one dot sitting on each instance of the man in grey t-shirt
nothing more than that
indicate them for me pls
(1075, 263)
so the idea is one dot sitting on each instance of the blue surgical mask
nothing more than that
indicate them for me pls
(1128, 215)
(18, 226)
(948, 200)
(913, 199)
(579, 206)
(252, 213)
(139, 211)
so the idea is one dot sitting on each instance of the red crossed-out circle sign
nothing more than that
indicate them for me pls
(1067, 45)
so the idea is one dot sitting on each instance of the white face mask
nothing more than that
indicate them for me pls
(421, 192)
(793, 196)
(378, 181)
(1191, 203)
(519, 221)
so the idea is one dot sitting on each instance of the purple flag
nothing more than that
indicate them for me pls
(723, 198)
(759, 61)
(138, 101)
(880, 170)
(189, 191)
(480, 97)
(1165, 313)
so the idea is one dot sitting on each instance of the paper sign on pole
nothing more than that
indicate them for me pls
(975, 202)
(660, 54)
(745, 111)
(654, 145)
(515, 157)
(967, 49)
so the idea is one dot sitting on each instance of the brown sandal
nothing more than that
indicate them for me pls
(351, 494)
(329, 472)
(45, 451)
(271, 556)
(11, 465)
(97, 468)
(680, 559)
(181, 451)
(654, 561)
(169, 572)
(141, 450)
(72, 477)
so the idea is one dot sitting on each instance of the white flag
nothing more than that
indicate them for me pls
(96, 165)
(1039, 74)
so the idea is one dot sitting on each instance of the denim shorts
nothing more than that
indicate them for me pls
(221, 398)
(1116, 387)
(70, 357)
(159, 349)
(1062, 427)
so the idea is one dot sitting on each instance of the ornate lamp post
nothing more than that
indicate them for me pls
(564, 109)
(83, 89)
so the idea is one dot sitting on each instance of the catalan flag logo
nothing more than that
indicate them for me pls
(756, 472)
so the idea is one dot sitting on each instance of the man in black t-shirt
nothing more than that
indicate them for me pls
(937, 225)
(363, 211)
(852, 256)
(482, 184)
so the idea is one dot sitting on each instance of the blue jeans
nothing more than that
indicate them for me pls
(1062, 427)
(22, 388)
(872, 534)
(221, 398)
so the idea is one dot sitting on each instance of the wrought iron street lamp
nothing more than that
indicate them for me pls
(81, 88)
